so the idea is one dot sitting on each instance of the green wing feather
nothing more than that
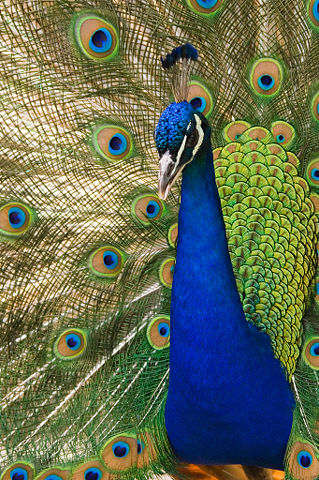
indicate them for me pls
(88, 265)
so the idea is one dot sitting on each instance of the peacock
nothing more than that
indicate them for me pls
(159, 211)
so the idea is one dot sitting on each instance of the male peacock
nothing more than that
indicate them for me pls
(88, 247)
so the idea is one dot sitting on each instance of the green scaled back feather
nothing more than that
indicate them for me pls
(86, 271)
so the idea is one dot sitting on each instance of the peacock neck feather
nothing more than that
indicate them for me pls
(228, 399)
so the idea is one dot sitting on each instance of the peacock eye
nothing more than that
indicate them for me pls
(166, 272)
(70, 344)
(93, 473)
(198, 103)
(200, 98)
(283, 133)
(96, 37)
(19, 474)
(112, 142)
(304, 459)
(15, 219)
(106, 262)
(158, 332)
(313, 172)
(147, 208)
(313, 10)
(205, 7)
(192, 139)
(234, 130)
(117, 144)
(53, 477)
(314, 349)
(266, 77)
(120, 449)
(266, 82)
(311, 352)
(140, 446)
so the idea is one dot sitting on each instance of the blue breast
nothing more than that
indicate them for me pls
(228, 399)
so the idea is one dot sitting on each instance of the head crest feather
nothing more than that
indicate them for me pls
(179, 62)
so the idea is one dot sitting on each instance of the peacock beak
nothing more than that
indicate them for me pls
(168, 173)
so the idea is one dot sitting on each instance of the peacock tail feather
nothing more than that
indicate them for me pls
(87, 246)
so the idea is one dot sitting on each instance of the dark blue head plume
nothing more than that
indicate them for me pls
(187, 52)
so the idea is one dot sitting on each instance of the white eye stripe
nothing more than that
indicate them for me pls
(200, 132)
(200, 135)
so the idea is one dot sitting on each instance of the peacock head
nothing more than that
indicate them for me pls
(181, 133)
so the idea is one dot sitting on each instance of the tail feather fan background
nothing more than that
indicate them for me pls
(87, 247)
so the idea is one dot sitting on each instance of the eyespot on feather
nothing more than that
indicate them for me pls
(158, 332)
(18, 471)
(112, 143)
(54, 474)
(205, 7)
(313, 12)
(172, 235)
(96, 37)
(266, 77)
(92, 470)
(120, 452)
(200, 98)
(283, 133)
(312, 173)
(147, 208)
(311, 353)
(315, 107)
(15, 219)
(234, 130)
(166, 272)
(302, 461)
(106, 262)
(70, 345)
(147, 453)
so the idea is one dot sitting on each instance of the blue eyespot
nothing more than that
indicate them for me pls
(73, 341)
(140, 446)
(315, 10)
(304, 459)
(206, 3)
(120, 449)
(17, 217)
(100, 41)
(117, 144)
(92, 474)
(314, 350)
(152, 209)
(266, 82)
(53, 477)
(318, 108)
(110, 259)
(315, 173)
(19, 474)
(163, 329)
(280, 138)
(198, 103)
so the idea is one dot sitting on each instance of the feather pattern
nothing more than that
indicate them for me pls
(88, 247)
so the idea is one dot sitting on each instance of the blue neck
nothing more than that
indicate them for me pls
(228, 399)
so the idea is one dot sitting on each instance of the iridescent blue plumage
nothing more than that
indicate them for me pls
(172, 126)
